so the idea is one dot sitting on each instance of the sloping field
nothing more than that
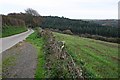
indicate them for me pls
(98, 59)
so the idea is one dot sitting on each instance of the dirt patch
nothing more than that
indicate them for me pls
(115, 58)
(19, 61)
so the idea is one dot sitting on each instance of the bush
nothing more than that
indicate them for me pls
(97, 37)
(67, 32)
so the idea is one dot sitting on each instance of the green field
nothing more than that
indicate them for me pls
(11, 30)
(98, 59)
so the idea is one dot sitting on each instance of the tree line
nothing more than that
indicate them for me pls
(31, 18)
(78, 26)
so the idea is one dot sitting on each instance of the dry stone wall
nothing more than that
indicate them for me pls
(59, 62)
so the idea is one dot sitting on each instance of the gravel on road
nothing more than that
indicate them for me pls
(19, 61)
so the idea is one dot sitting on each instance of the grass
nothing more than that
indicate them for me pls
(98, 59)
(11, 30)
(7, 62)
(38, 43)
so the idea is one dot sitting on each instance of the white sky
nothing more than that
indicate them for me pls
(74, 9)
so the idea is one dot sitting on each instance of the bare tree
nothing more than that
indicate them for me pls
(33, 18)
(32, 12)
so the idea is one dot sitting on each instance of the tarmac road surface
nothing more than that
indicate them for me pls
(8, 42)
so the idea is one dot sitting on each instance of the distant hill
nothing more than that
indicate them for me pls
(106, 22)
(79, 26)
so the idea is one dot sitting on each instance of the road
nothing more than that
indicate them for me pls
(8, 42)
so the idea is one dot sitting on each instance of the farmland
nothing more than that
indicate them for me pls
(98, 59)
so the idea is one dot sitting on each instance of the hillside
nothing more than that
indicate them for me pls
(15, 23)
(106, 22)
(11, 26)
(98, 59)
(78, 26)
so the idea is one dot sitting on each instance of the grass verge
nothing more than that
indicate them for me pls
(7, 62)
(99, 59)
(11, 30)
(38, 42)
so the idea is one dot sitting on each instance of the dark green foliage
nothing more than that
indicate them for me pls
(109, 22)
(79, 26)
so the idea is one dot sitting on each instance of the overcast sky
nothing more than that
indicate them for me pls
(74, 9)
